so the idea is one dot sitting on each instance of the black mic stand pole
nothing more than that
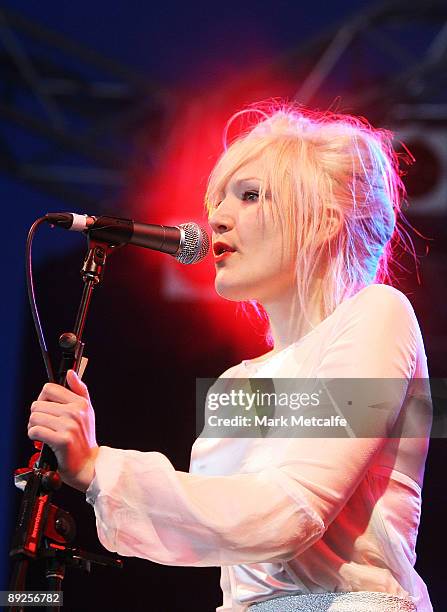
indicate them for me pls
(43, 530)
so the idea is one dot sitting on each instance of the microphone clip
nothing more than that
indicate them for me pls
(95, 260)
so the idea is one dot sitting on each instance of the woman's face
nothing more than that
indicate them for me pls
(248, 242)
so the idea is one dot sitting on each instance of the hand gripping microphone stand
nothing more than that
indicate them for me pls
(44, 531)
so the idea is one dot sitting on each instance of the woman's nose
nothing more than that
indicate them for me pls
(222, 219)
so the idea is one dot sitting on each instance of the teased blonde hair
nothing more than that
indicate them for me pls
(318, 165)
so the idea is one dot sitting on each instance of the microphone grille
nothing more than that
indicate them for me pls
(195, 244)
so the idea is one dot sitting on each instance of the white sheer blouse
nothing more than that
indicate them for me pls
(286, 516)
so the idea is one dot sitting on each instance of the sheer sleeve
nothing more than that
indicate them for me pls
(145, 508)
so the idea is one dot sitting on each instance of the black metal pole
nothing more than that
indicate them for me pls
(42, 480)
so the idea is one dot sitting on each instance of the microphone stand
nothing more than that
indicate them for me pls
(44, 531)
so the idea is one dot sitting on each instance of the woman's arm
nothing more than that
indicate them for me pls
(145, 508)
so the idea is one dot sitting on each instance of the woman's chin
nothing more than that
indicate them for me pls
(234, 293)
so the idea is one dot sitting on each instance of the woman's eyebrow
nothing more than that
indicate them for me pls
(247, 180)
(240, 182)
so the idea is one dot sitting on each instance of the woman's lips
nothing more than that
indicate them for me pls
(222, 250)
(222, 256)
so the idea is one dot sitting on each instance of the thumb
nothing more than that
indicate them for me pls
(76, 385)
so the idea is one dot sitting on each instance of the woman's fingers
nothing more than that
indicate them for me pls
(66, 425)
(74, 410)
(76, 384)
(48, 407)
(56, 393)
(56, 440)
(49, 421)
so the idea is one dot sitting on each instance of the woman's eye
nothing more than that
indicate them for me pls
(250, 196)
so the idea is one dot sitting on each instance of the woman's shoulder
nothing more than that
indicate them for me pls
(380, 293)
(379, 303)
(377, 330)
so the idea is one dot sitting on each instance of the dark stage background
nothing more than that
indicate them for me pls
(119, 108)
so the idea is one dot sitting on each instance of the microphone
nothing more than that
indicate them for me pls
(187, 242)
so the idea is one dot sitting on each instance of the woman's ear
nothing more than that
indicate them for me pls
(332, 221)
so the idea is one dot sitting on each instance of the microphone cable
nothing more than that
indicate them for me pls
(32, 298)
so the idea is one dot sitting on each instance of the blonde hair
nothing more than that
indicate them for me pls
(318, 165)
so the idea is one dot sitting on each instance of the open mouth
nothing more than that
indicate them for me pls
(222, 250)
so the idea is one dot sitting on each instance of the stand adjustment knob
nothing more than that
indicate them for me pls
(67, 341)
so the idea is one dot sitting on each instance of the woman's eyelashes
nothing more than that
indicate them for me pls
(250, 195)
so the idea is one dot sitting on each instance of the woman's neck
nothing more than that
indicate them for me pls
(287, 323)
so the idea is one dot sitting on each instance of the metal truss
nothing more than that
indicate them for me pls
(90, 123)
(385, 57)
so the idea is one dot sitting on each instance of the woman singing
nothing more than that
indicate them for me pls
(303, 209)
